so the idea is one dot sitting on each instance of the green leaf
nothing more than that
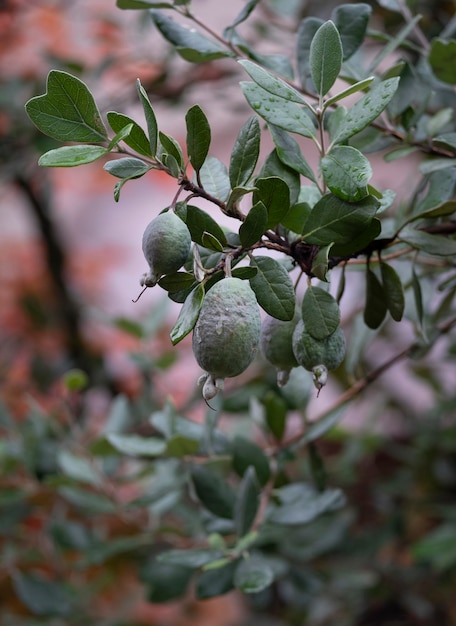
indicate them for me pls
(431, 244)
(366, 109)
(253, 576)
(67, 111)
(169, 146)
(320, 263)
(393, 290)
(441, 210)
(177, 281)
(441, 185)
(346, 171)
(127, 167)
(211, 243)
(300, 504)
(198, 136)
(322, 426)
(137, 139)
(245, 153)
(87, 501)
(41, 596)
(137, 446)
(71, 156)
(244, 13)
(433, 165)
(296, 217)
(360, 241)
(78, 468)
(277, 111)
(272, 84)
(447, 141)
(275, 414)
(190, 44)
(214, 178)
(273, 167)
(335, 220)
(213, 492)
(246, 453)
(351, 21)
(439, 120)
(442, 58)
(245, 272)
(320, 312)
(306, 32)
(247, 502)
(274, 193)
(359, 86)
(273, 288)
(211, 584)
(232, 204)
(199, 222)
(289, 152)
(151, 120)
(438, 548)
(375, 308)
(195, 558)
(254, 225)
(180, 446)
(165, 582)
(325, 57)
(188, 315)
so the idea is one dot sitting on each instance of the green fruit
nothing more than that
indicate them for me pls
(277, 347)
(227, 332)
(166, 245)
(311, 352)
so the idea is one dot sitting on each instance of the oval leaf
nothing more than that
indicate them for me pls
(245, 153)
(253, 576)
(335, 220)
(375, 308)
(127, 167)
(214, 178)
(273, 288)
(393, 290)
(271, 83)
(134, 445)
(137, 138)
(213, 492)
(246, 453)
(199, 222)
(275, 110)
(366, 109)
(254, 225)
(188, 315)
(346, 171)
(289, 152)
(190, 44)
(247, 502)
(325, 57)
(198, 136)
(320, 312)
(274, 193)
(71, 156)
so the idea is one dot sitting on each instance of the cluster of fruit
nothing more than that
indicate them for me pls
(228, 330)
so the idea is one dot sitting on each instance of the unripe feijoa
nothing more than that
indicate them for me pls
(166, 245)
(227, 332)
(276, 345)
(311, 352)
